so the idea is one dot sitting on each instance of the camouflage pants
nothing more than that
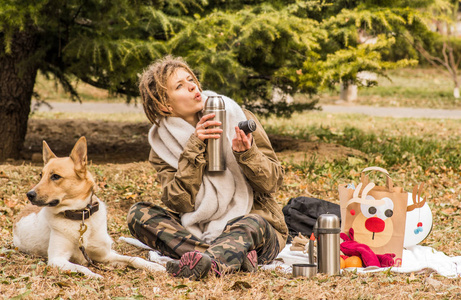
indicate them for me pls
(162, 230)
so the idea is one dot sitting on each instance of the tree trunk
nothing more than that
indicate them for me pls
(18, 71)
(456, 81)
(348, 92)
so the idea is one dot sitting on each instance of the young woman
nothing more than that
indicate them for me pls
(216, 222)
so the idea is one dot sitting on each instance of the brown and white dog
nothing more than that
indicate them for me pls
(66, 221)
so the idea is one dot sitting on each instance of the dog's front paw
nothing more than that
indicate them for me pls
(138, 262)
(88, 273)
(95, 276)
(151, 266)
(67, 266)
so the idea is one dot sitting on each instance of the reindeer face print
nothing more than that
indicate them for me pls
(378, 215)
(370, 217)
(375, 221)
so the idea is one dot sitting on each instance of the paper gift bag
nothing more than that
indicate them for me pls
(376, 213)
(419, 218)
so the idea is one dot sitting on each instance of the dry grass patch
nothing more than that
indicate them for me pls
(121, 185)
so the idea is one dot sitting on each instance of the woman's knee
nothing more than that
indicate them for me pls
(253, 221)
(256, 218)
(141, 212)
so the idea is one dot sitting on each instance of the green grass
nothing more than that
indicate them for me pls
(395, 144)
(408, 87)
(396, 149)
(412, 83)
(125, 117)
(48, 90)
(387, 142)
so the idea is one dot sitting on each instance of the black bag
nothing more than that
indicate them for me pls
(301, 214)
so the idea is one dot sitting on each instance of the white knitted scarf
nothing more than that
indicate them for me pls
(222, 195)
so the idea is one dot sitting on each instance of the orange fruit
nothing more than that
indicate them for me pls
(342, 262)
(353, 262)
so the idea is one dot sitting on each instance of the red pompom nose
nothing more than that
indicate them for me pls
(374, 224)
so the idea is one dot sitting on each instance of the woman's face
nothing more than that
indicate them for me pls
(184, 97)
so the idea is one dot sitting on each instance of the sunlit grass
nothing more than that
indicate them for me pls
(48, 90)
(388, 142)
(119, 117)
(408, 87)
(314, 123)
(420, 144)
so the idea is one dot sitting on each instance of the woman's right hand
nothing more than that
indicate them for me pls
(205, 128)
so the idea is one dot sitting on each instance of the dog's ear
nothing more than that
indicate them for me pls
(47, 153)
(79, 157)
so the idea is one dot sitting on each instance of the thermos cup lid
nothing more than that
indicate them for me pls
(305, 270)
(327, 221)
(247, 126)
(214, 102)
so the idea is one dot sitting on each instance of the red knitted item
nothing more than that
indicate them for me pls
(352, 248)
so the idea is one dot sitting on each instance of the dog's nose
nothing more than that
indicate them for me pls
(31, 195)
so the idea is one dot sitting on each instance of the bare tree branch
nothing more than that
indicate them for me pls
(430, 58)
(448, 61)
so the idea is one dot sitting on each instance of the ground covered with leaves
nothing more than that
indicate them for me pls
(413, 151)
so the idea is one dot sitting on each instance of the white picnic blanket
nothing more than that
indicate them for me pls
(415, 259)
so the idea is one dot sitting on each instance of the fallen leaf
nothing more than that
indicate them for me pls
(11, 202)
(433, 283)
(180, 286)
(279, 288)
(448, 211)
(61, 284)
(241, 285)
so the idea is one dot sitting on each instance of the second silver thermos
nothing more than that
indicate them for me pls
(215, 149)
(328, 229)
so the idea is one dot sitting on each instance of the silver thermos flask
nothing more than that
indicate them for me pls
(215, 149)
(328, 229)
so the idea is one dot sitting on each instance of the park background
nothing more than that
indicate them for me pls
(305, 51)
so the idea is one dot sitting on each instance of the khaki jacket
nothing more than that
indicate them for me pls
(259, 164)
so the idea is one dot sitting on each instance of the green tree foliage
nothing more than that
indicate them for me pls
(245, 49)
(101, 42)
(442, 48)
(243, 54)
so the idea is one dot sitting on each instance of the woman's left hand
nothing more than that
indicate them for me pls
(241, 142)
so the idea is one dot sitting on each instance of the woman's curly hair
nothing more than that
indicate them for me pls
(153, 86)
